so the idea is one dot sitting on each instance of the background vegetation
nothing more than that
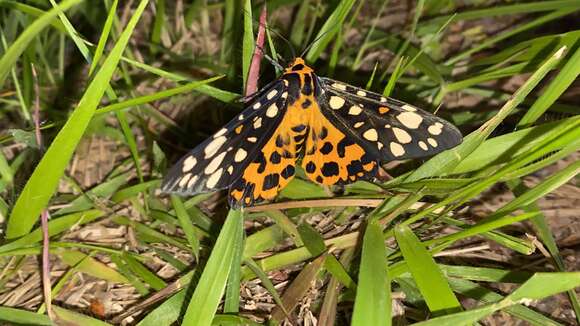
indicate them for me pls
(99, 97)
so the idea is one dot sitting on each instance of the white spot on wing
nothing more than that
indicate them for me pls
(184, 180)
(408, 107)
(214, 178)
(213, 147)
(221, 132)
(271, 94)
(402, 136)
(361, 93)
(423, 145)
(354, 110)
(397, 149)
(252, 139)
(189, 163)
(435, 129)
(258, 123)
(240, 155)
(383, 99)
(371, 135)
(272, 111)
(192, 181)
(257, 105)
(432, 142)
(214, 164)
(336, 102)
(379, 145)
(241, 116)
(359, 124)
(339, 86)
(410, 120)
(231, 170)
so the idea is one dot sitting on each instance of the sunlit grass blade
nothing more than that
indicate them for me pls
(567, 75)
(90, 265)
(539, 286)
(328, 31)
(104, 37)
(210, 288)
(447, 160)
(68, 316)
(23, 317)
(44, 180)
(372, 305)
(430, 280)
(17, 48)
(55, 226)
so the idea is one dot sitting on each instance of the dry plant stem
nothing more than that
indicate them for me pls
(334, 202)
(254, 73)
(317, 203)
(46, 286)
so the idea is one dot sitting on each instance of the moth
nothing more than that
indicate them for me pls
(338, 133)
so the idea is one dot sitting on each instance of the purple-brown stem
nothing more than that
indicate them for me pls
(254, 72)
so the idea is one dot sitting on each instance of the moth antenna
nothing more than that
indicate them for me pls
(313, 42)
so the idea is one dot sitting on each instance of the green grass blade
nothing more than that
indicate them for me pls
(568, 74)
(210, 288)
(17, 48)
(429, 278)
(136, 102)
(71, 317)
(447, 160)
(44, 180)
(186, 225)
(104, 37)
(23, 317)
(372, 305)
(329, 30)
(32, 11)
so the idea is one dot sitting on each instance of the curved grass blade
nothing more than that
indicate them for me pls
(429, 278)
(44, 180)
(210, 288)
(372, 305)
(18, 47)
(329, 30)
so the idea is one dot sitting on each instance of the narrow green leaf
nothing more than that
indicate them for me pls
(66, 316)
(17, 48)
(429, 278)
(329, 30)
(55, 226)
(44, 180)
(210, 288)
(372, 305)
(567, 75)
(104, 36)
(23, 317)
(543, 285)
(186, 224)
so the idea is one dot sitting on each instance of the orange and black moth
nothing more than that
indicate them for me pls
(338, 133)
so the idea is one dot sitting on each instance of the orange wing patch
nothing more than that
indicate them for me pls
(272, 168)
(331, 157)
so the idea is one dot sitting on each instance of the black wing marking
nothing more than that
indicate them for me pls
(388, 128)
(221, 159)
